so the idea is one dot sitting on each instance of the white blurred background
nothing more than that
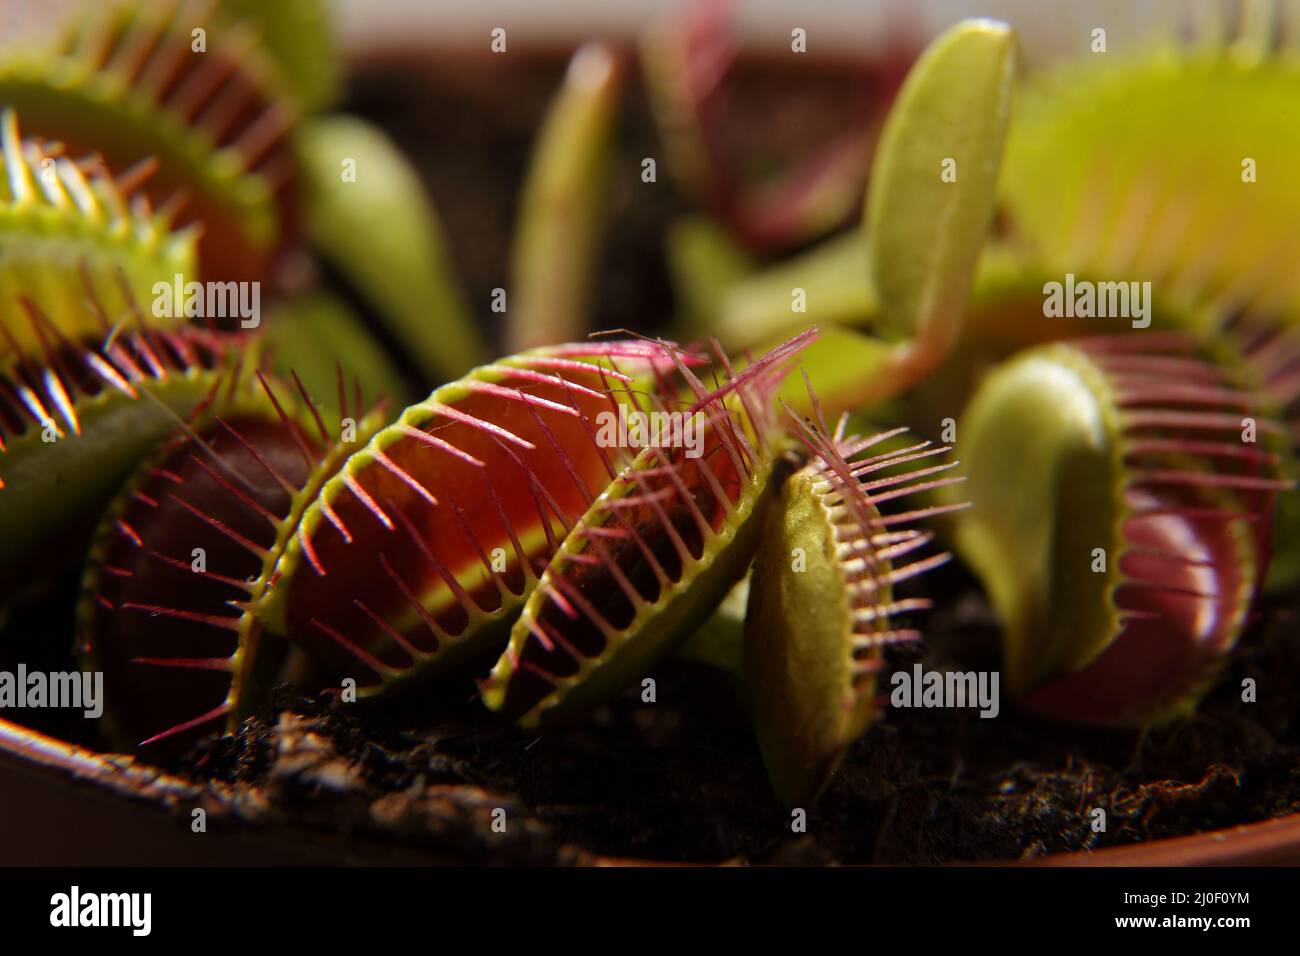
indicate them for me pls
(1047, 27)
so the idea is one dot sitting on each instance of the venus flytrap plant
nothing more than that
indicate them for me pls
(78, 241)
(1124, 553)
(189, 547)
(652, 557)
(417, 553)
(74, 419)
(928, 211)
(1106, 173)
(1107, 178)
(1121, 523)
(1104, 180)
(130, 84)
(87, 375)
(563, 204)
(822, 608)
(92, 375)
(156, 66)
(397, 558)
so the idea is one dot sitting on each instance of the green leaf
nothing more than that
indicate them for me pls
(563, 205)
(705, 263)
(847, 369)
(926, 233)
(316, 335)
(300, 36)
(835, 292)
(1038, 441)
(381, 231)
(720, 641)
